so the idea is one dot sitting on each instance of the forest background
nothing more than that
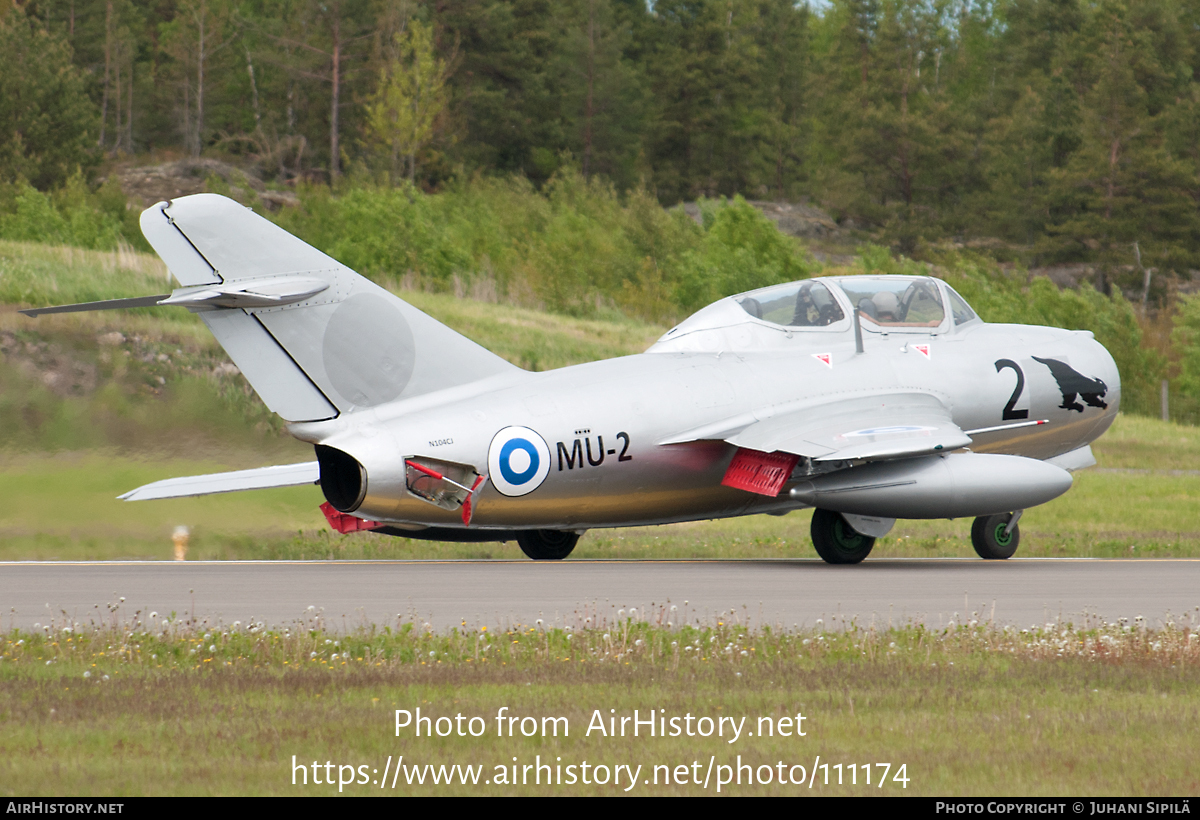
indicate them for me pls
(534, 152)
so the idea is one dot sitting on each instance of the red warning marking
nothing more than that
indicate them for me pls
(344, 523)
(923, 350)
(468, 508)
(422, 468)
(825, 359)
(438, 476)
(759, 472)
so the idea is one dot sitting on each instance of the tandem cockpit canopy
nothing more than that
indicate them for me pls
(812, 309)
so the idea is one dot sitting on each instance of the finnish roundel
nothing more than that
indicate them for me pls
(518, 461)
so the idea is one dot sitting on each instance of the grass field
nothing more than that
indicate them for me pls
(143, 707)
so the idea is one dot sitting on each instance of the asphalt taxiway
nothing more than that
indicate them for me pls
(445, 593)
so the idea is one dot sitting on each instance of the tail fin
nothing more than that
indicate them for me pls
(349, 345)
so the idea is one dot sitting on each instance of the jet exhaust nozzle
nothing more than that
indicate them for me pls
(959, 485)
(343, 478)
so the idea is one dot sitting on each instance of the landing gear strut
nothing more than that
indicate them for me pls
(547, 545)
(996, 536)
(836, 541)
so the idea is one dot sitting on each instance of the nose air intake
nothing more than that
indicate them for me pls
(343, 479)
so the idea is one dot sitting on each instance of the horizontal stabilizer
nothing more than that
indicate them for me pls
(261, 478)
(107, 304)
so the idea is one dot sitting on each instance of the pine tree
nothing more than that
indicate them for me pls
(1123, 185)
(48, 126)
(898, 129)
(410, 98)
(603, 100)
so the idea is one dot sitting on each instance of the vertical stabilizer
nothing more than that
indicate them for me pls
(351, 345)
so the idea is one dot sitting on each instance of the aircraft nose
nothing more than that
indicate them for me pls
(1105, 369)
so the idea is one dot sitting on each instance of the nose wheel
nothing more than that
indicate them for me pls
(996, 537)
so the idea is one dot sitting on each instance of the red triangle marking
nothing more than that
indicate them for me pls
(923, 350)
(825, 359)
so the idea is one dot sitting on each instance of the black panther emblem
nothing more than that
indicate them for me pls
(1071, 382)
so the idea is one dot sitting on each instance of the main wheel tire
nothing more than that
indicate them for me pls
(836, 541)
(990, 540)
(547, 545)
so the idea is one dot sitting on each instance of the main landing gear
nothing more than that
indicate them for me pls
(836, 541)
(547, 545)
(996, 536)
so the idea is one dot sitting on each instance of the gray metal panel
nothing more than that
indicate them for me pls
(283, 386)
(189, 267)
(372, 347)
(239, 243)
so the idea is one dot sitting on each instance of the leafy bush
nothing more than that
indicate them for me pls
(740, 250)
(1185, 338)
(70, 215)
(576, 247)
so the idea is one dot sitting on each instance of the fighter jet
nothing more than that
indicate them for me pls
(868, 398)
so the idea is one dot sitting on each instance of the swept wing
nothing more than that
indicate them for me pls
(868, 428)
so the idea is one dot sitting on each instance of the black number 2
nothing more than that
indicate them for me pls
(624, 449)
(1009, 413)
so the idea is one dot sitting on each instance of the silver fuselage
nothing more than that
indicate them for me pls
(604, 422)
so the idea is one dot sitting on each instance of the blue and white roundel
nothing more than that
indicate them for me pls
(518, 461)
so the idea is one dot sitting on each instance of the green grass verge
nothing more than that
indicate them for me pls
(141, 706)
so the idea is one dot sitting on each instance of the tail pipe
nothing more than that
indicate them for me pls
(343, 479)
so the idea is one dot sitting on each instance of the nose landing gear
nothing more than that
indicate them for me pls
(996, 537)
